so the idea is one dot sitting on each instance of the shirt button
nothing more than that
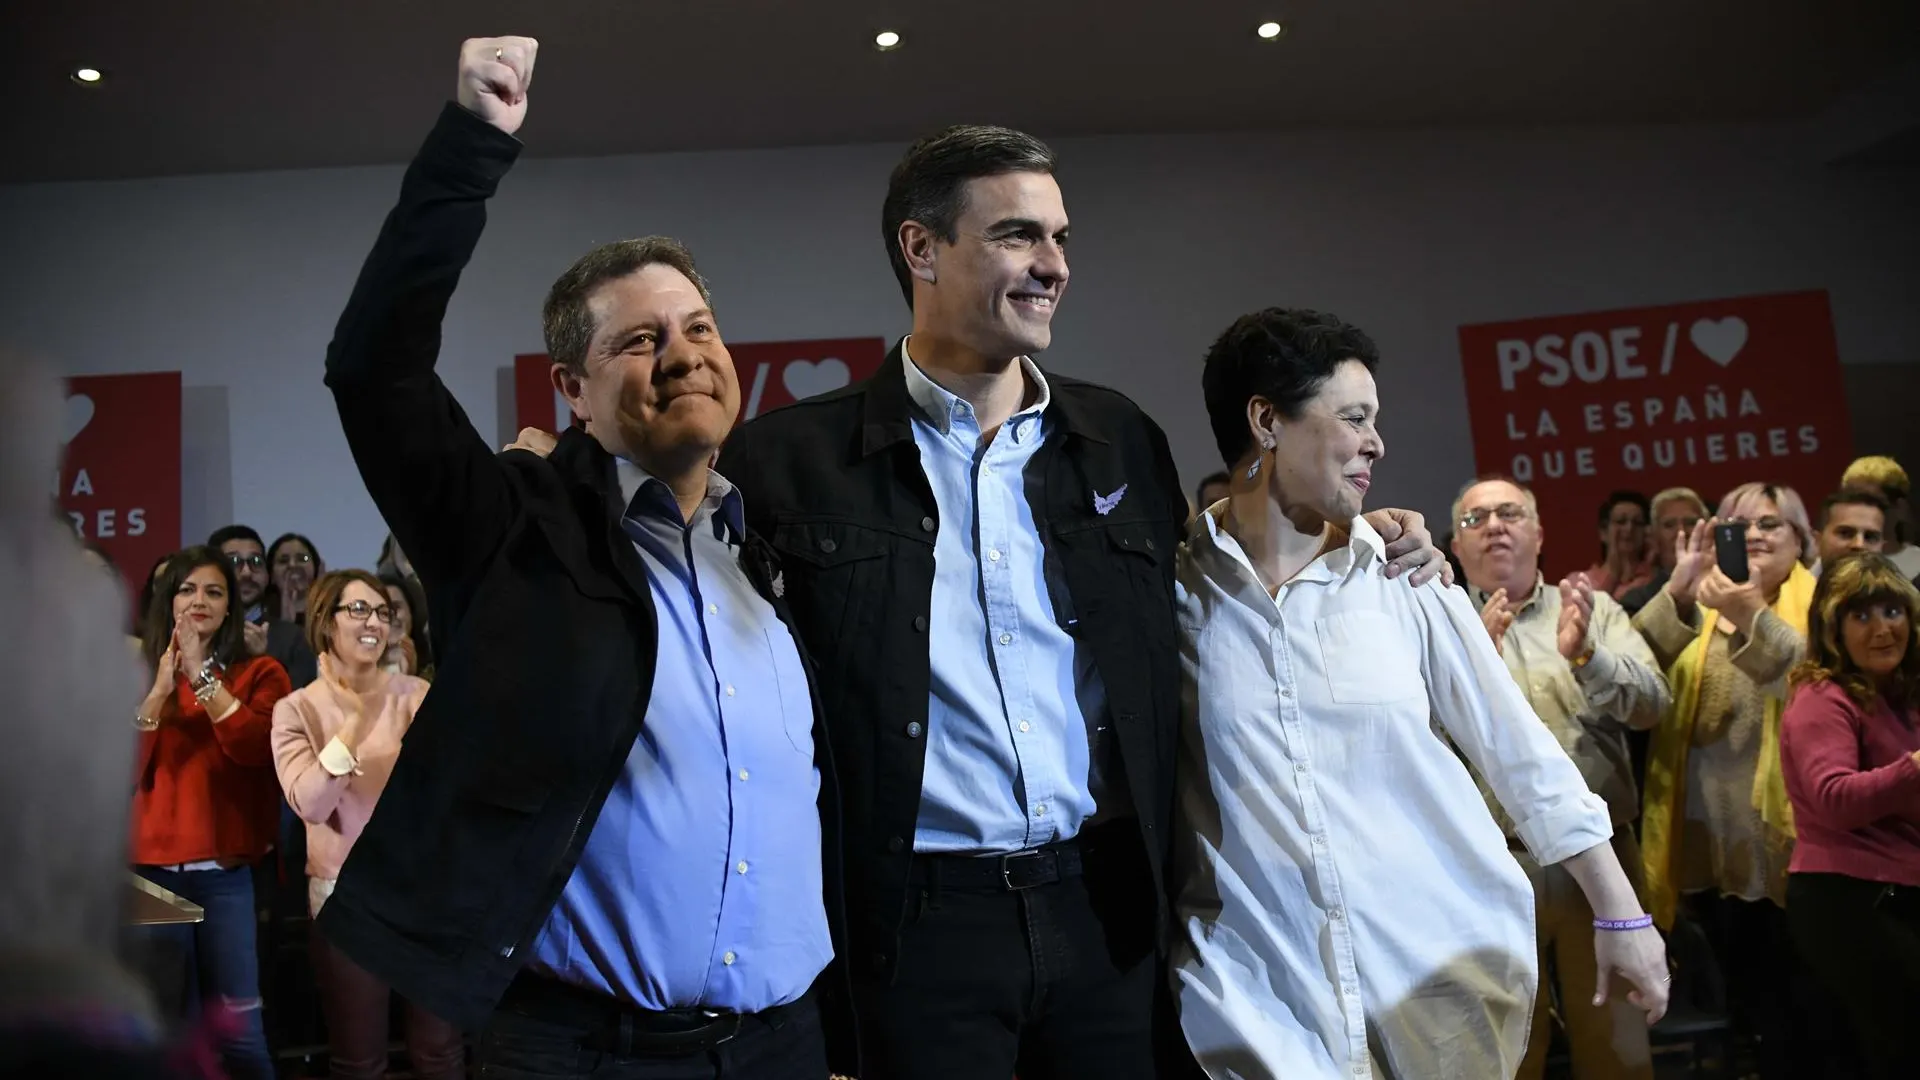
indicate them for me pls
(1336, 914)
(896, 845)
(729, 691)
(1006, 639)
(740, 867)
(1286, 691)
(1300, 766)
(1040, 811)
(920, 624)
(1023, 725)
(993, 555)
(713, 609)
(1319, 840)
(828, 545)
(926, 524)
(727, 958)
(914, 729)
(743, 775)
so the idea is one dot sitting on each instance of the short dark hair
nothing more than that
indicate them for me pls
(1281, 354)
(929, 183)
(1851, 497)
(567, 321)
(1207, 481)
(1615, 498)
(226, 533)
(417, 602)
(157, 631)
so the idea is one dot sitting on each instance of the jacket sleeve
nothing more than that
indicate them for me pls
(243, 734)
(1820, 751)
(311, 790)
(1622, 681)
(432, 476)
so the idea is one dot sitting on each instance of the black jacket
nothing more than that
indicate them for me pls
(542, 621)
(836, 483)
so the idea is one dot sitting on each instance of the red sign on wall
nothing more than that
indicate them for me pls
(772, 374)
(120, 476)
(1706, 395)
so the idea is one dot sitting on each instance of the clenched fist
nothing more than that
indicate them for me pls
(494, 75)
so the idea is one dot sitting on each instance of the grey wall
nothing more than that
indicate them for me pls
(236, 280)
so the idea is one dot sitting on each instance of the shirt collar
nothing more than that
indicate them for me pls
(938, 406)
(1479, 596)
(645, 495)
(1363, 544)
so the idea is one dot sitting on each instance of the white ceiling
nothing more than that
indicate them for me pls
(224, 85)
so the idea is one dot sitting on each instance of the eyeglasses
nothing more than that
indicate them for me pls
(255, 560)
(1507, 512)
(360, 610)
(292, 558)
(1766, 524)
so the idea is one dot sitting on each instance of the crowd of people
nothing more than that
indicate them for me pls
(927, 728)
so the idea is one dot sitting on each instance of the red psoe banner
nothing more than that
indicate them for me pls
(1704, 395)
(119, 479)
(771, 373)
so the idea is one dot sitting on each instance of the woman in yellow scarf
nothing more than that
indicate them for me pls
(1716, 825)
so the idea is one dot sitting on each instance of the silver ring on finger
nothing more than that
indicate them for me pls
(497, 54)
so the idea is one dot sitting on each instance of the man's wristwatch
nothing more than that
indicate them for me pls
(1583, 659)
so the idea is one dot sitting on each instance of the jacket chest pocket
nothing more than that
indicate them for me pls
(1122, 574)
(833, 576)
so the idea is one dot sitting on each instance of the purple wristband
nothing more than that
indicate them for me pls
(1640, 923)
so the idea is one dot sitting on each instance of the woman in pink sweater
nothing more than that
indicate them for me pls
(334, 745)
(1850, 748)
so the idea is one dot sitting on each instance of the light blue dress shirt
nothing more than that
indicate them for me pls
(1017, 713)
(700, 884)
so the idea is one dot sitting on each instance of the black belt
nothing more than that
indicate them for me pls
(1019, 870)
(615, 1027)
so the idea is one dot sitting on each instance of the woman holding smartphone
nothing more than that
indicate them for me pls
(1716, 826)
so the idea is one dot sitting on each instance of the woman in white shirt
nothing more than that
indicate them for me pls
(1349, 908)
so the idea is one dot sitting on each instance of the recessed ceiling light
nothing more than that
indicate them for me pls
(1270, 31)
(886, 40)
(87, 76)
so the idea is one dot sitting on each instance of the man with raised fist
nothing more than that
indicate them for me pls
(601, 844)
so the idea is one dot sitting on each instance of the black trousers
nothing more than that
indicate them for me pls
(1797, 1027)
(524, 1043)
(1059, 981)
(1862, 938)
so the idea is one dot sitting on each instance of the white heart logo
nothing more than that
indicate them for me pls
(1721, 341)
(805, 378)
(79, 413)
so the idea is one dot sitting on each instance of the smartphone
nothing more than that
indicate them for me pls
(1730, 549)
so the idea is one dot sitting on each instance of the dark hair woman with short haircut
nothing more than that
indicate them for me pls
(205, 800)
(1850, 748)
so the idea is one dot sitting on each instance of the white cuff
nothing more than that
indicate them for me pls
(338, 760)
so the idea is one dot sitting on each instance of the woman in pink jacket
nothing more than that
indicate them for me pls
(334, 745)
(1850, 748)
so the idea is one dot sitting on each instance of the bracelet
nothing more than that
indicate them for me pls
(145, 723)
(1640, 923)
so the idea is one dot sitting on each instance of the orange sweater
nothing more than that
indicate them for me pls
(204, 790)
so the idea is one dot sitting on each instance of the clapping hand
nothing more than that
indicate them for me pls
(1576, 615)
(1497, 616)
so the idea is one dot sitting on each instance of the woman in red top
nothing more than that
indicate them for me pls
(1850, 747)
(205, 800)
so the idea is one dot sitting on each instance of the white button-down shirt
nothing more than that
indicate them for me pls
(1349, 908)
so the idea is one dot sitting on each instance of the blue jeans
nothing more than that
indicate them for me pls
(216, 957)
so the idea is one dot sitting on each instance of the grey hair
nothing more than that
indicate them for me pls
(74, 685)
(1460, 500)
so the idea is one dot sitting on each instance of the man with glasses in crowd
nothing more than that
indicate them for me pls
(1587, 673)
(264, 634)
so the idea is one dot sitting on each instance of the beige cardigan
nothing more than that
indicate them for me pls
(334, 792)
